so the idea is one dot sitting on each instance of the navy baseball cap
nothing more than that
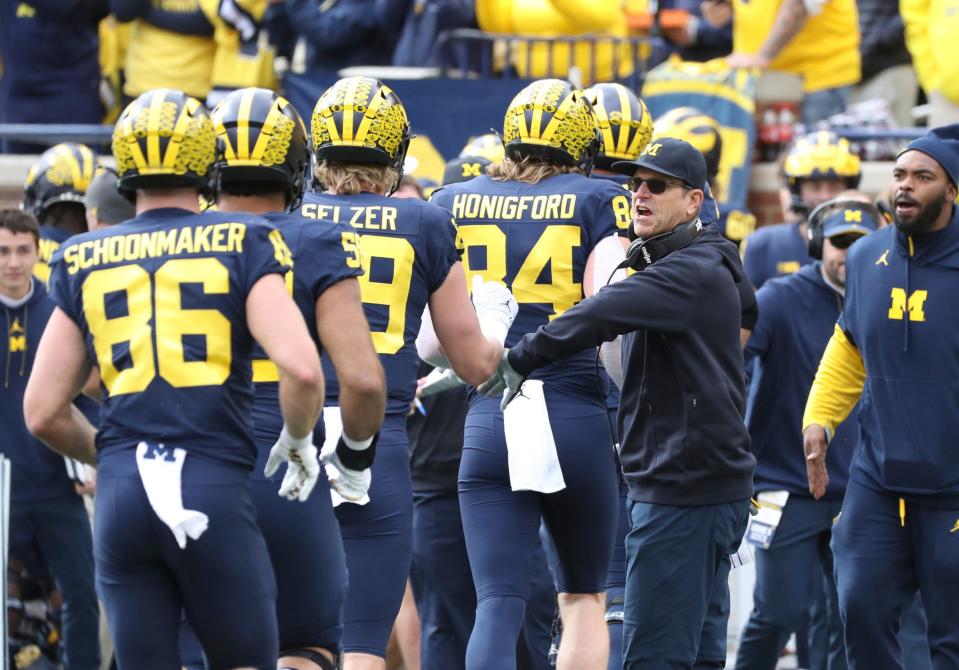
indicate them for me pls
(464, 168)
(849, 220)
(671, 157)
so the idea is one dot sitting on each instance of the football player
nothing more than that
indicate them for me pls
(488, 146)
(818, 167)
(53, 192)
(360, 136)
(533, 224)
(103, 202)
(261, 164)
(625, 128)
(703, 132)
(167, 305)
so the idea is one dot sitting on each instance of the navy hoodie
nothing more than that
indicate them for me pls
(38, 473)
(900, 311)
(683, 440)
(773, 251)
(798, 314)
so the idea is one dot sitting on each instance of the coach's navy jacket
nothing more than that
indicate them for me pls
(681, 412)
(798, 314)
(38, 473)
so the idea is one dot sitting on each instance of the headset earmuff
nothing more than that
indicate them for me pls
(642, 253)
(814, 232)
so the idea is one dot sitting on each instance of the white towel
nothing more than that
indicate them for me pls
(333, 424)
(160, 469)
(533, 463)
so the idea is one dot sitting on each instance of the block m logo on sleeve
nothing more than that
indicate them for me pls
(914, 305)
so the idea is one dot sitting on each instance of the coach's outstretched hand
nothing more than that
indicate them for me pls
(302, 469)
(505, 381)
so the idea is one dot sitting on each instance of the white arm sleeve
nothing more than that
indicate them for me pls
(610, 253)
(428, 345)
(611, 353)
(607, 254)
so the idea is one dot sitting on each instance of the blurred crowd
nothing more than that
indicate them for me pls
(78, 61)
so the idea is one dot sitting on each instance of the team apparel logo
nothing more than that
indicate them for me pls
(914, 305)
(18, 337)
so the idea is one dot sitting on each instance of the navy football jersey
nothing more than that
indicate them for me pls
(161, 303)
(536, 239)
(773, 251)
(51, 238)
(735, 224)
(407, 248)
(324, 253)
(622, 222)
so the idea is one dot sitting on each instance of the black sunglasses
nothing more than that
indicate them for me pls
(655, 185)
(844, 241)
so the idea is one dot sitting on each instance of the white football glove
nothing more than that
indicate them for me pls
(505, 381)
(495, 308)
(302, 469)
(352, 485)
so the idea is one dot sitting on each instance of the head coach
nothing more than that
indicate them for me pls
(685, 450)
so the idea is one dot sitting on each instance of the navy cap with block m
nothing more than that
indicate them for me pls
(671, 157)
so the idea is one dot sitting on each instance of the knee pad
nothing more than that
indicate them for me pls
(316, 657)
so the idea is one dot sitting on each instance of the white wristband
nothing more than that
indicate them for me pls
(296, 443)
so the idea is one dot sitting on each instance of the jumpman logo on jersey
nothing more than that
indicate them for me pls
(883, 259)
(955, 529)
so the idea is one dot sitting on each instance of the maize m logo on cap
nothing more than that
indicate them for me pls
(652, 149)
(471, 169)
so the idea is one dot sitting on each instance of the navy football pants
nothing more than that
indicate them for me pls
(223, 580)
(616, 577)
(306, 552)
(443, 587)
(378, 538)
(502, 526)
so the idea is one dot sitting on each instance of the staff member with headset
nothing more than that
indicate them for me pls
(685, 449)
(797, 315)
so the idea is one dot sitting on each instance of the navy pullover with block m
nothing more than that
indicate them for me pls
(900, 329)
(680, 420)
(38, 473)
